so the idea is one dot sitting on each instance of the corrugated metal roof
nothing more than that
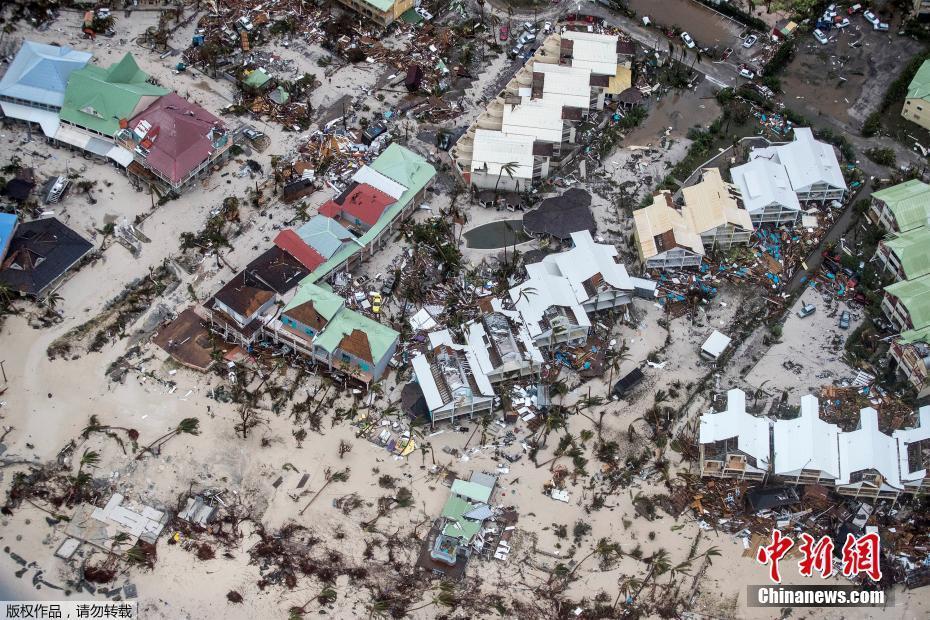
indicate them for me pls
(806, 442)
(919, 88)
(809, 161)
(909, 202)
(539, 118)
(326, 303)
(763, 182)
(752, 433)
(597, 52)
(325, 235)
(493, 150)
(915, 295)
(566, 86)
(868, 448)
(471, 490)
(913, 251)
(40, 72)
(46, 119)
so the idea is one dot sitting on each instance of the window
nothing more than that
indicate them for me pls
(363, 366)
(308, 331)
(346, 358)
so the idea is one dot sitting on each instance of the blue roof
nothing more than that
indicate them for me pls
(325, 235)
(40, 73)
(7, 226)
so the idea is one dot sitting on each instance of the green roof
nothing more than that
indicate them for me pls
(381, 5)
(909, 202)
(97, 98)
(411, 17)
(380, 337)
(325, 302)
(915, 335)
(400, 165)
(915, 296)
(471, 490)
(919, 87)
(256, 79)
(459, 527)
(913, 251)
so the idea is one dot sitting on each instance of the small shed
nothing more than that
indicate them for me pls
(715, 346)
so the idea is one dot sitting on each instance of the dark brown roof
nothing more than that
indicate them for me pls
(277, 270)
(571, 114)
(600, 80)
(562, 215)
(627, 48)
(630, 95)
(244, 294)
(40, 252)
(542, 149)
(307, 314)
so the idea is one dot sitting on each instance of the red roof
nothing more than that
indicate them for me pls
(290, 242)
(363, 202)
(179, 135)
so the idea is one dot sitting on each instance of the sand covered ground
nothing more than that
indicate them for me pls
(49, 402)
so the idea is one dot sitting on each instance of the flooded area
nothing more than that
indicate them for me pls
(677, 112)
(496, 235)
(705, 26)
(847, 77)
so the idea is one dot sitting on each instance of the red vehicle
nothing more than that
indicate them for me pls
(505, 32)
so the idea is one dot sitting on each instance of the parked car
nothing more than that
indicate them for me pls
(547, 27)
(750, 41)
(854, 9)
(820, 36)
(807, 310)
(871, 18)
(526, 37)
(517, 49)
(505, 32)
(844, 320)
(882, 26)
(746, 73)
(387, 287)
(726, 53)
(530, 28)
(841, 22)
(689, 42)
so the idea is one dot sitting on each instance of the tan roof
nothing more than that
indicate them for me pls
(660, 226)
(708, 204)
(712, 203)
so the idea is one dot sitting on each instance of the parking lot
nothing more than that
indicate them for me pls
(846, 77)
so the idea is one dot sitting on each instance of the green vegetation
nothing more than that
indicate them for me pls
(885, 157)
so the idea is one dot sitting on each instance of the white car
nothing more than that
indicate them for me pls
(689, 42)
(547, 27)
(881, 26)
(426, 15)
(871, 18)
(820, 36)
(746, 73)
(842, 23)
(750, 41)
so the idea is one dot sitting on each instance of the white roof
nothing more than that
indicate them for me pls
(716, 344)
(806, 442)
(46, 119)
(538, 118)
(370, 176)
(868, 448)
(542, 291)
(584, 261)
(422, 368)
(508, 338)
(763, 182)
(493, 149)
(909, 436)
(120, 155)
(597, 52)
(565, 86)
(422, 320)
(752, 433)
(809, 161)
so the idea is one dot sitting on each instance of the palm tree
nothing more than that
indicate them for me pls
(616, 360)
(52, 300)
(187, 426)
(510, 167)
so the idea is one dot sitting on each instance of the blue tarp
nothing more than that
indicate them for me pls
(7, 226)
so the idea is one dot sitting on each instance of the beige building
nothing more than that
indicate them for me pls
(712, 216)
(382, 12)
(917, 103)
